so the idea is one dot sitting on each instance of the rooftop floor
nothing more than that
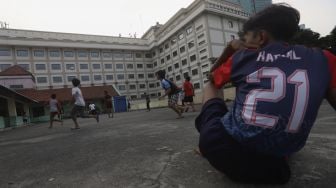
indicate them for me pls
(141, 149)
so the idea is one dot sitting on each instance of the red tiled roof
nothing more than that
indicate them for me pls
(64, 94)
(15, 70)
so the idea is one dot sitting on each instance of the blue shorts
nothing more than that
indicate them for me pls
(230, 157)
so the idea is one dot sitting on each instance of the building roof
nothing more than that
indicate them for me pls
(4, 91)
(15, 70)
(64, 94)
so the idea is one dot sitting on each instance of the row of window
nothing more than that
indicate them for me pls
(82, 66)
(190, 44)
(71, 53)
(96, 77)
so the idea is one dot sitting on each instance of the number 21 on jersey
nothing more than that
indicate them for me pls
(275, 94)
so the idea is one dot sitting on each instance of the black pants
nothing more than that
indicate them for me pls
(148, 106)
(227, 155)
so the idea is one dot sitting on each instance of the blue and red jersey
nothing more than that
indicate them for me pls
(279, 90)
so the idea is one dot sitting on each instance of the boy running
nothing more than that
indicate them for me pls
(54, 110)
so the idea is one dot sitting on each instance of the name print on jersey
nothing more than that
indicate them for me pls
(268, 57)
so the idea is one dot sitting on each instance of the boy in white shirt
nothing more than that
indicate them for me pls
(79, 104)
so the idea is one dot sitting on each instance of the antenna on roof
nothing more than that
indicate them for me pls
(4, 25)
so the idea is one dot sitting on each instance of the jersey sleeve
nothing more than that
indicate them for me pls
(222, 74)
(332, 68)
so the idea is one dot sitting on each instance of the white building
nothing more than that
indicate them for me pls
(181, 46)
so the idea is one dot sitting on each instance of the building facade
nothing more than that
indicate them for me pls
(253, 6)
(182, 46)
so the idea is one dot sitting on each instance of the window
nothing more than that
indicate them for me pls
(139, 66)
(161, 50)
(148, 55)
(202, 51)
(162, 61)
(170, 69)
(118, 55)
(184, 62)
(155, 64)
(97, 77)
(149, 66)
(83, 66)
(120, 76)
(138, 55)
(131, 76)
(57, 79)
(174, 53)
(189, 30)
(134, 97)
(108, 66)
(41, 80)
(166, 46)
(54, 53)
(153, 94)
(194, 72)
(24, 66)
(151, 85)
(201, 43)
(109, 77)
(191, 44)
(22, 53)
(82, 54)
(182, 49)
(142, 86)
(70, 78)
(38, 53)
(122, 87)
(176, 65)
(70, 66)
(150, 75)
(200, 36)
(168, 57)
(205, 66)
(130, 66)
(95, 54)
(55, 66)
(185, 75)
(197, 86)
(85, 78)
(132, 87)
(230, 24)
(178, 77)
(107, 54)
(154, 54)
(96, 66)
(232, 37)
(192, 58)
(199, 27)
(204, 57)
(4, 66)
(40, 66)
(141, 76)
(16, 86)
(68, 54)
(119, 66)
(5, 52)
(128, 55)
(181, 36)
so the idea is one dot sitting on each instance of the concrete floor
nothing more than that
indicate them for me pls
(141, 149)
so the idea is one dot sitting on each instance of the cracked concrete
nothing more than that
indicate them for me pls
(143, 150)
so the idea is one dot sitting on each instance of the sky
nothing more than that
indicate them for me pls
(125, 17)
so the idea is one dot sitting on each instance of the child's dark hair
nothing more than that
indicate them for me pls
(187, 78)
(280, 20)
(53, 96)
(75, 82)
(161, 74)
